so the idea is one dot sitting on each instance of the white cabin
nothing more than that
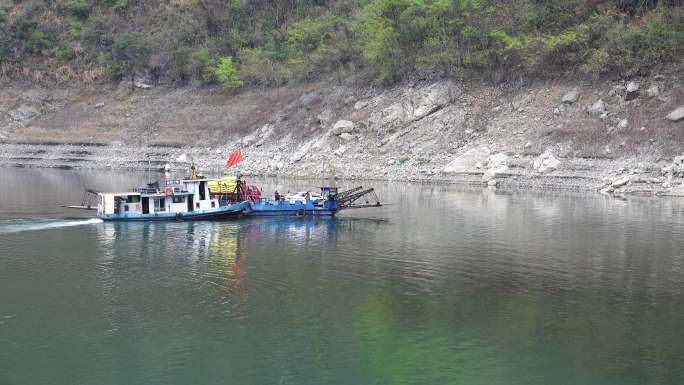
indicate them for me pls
(177, 196)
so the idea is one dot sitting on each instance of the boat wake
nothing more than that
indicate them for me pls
(20, 225)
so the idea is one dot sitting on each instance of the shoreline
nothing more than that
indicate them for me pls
(579, 175)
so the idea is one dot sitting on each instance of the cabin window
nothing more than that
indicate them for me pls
(197, 205)
(126, 208)
(178, 199)
(133, 199)
(160, 204)
(213, 204)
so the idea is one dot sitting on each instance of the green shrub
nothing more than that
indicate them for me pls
(202, 65)
(227, 74)
(37, 42)
(65, 52)
(77, 8)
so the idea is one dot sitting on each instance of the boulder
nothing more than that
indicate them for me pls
(546, 162)
(467, 161)
(653, 91)
(596, 109)
(571, 97)
(395, 113)
(632, 91)
(346, 136)
(360, 105)
(99, 105)
(342, 127)
(431, 99)
(497, 165)
(623, 123)
(620, 182)
(676, 115)
(141, 85)
(182, 158)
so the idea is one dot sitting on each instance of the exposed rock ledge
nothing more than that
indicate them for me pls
(560, 135)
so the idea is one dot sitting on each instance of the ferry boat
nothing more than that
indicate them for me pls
(186, 199)
(199, 198)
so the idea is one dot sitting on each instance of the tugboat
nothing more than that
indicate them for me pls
(185, 199)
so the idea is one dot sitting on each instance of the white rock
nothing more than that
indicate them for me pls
(343, 126)
(623, 123)
(360, 105)
(467, 161)
(546, 162)
(340, 150)
(632, 91)
(653, 91)
(492, 183)
(571, 97)
(676, 115)
(182, 158)
(596, 109)
(280, 165)
(497, 165)
(99, 105)
(141, 85)
(167, 167)
(528, 144)
(346, 136)
(431, 99)
(620, 182)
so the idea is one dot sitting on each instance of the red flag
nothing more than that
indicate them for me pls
(235, 158)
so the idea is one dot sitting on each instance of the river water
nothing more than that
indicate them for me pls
(447, 286)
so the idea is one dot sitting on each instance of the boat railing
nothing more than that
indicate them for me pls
(146, 190)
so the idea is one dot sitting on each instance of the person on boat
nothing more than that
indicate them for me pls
(277, 196)
(307, 197)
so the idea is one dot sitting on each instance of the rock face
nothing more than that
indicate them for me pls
(596, 109)
(676, 115)
(466, 162)
(546, 162)
(571, 97)
(342, 127)
(632, 91)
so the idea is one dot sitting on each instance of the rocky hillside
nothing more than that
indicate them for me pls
(618, 134)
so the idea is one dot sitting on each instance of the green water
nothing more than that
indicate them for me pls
(446, 286)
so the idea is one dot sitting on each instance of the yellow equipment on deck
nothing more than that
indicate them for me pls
(225, 185)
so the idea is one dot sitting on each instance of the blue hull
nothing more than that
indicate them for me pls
(281, 209)
(224, 212)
